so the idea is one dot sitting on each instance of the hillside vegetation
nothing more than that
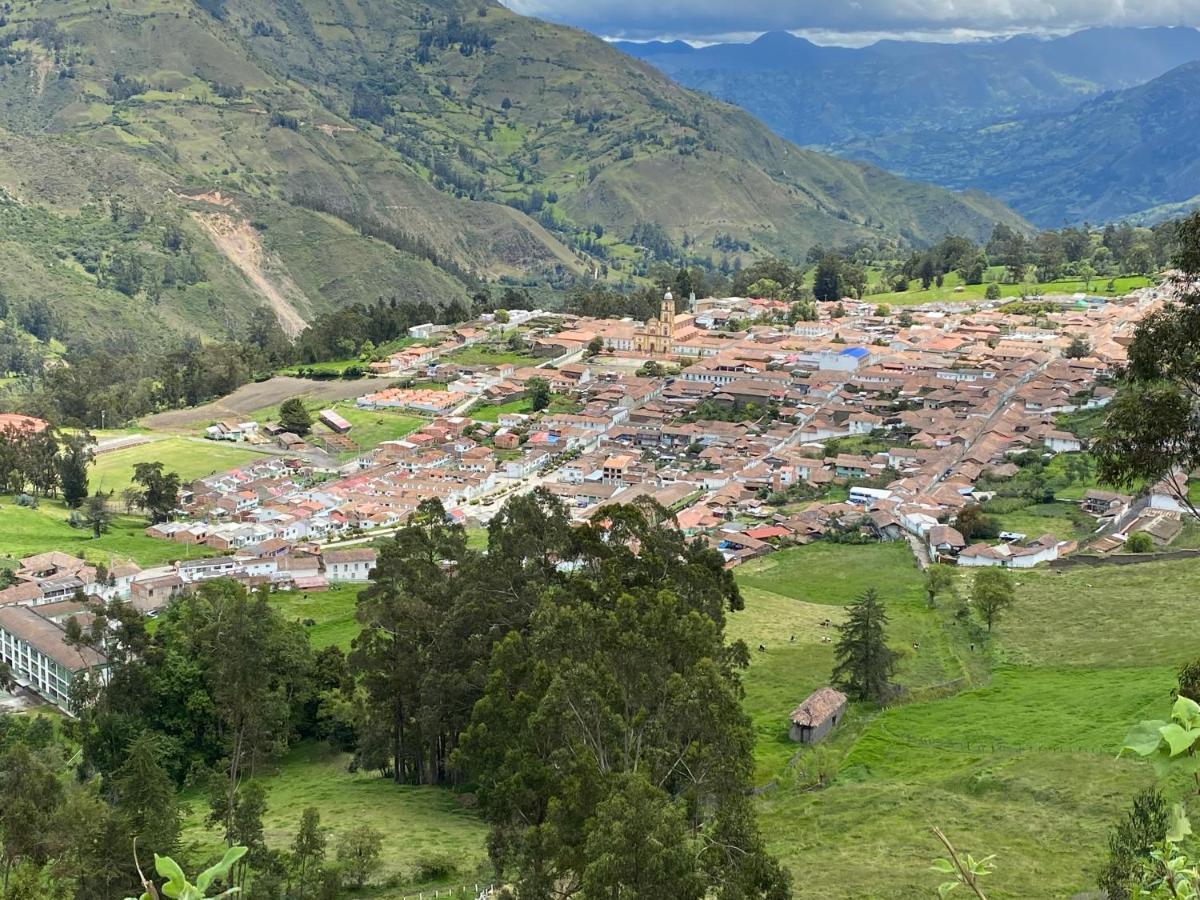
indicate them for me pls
(1127, 154)
(168, 166)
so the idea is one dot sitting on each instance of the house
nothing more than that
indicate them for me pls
(1062, 442)
(349, 565)
(945, 542)
(1103, 503)
(813, 719)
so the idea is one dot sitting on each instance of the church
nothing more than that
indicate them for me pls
(657, 336)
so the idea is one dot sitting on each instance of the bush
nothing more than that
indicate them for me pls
(434, 867)
(1139, 542)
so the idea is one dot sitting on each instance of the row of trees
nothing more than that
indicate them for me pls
(45, 463)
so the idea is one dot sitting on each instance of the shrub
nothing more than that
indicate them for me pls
(1139, 542)
(434, 867)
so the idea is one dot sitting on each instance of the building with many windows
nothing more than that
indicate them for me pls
(35, 648)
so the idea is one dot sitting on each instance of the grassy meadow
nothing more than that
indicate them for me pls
(24, 532)
(192, 459)
(424, 828)
(1021, 762)
(949, 291)
(1008, 743)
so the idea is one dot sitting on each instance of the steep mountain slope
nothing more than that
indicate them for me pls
(1130, 153)
(823, 96)
(194, 160)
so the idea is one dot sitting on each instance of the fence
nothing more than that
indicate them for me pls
(1125, 559)
(478, 892)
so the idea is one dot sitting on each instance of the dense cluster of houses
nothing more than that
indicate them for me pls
(905, 412)
(51, 588)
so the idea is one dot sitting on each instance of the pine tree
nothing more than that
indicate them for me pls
(73, 467)
(295, 417)
(865, 664)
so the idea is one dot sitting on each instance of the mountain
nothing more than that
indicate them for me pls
(168, 167)
(1126, 154)
(827, 96)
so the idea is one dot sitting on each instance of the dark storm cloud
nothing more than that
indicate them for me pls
(721, 19)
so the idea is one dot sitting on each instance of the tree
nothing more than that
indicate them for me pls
(358, 853)
(308, 849)
(295, 417)
(939, 578)
(973, 524)
(655, 859)
(73, 462)
(827, 279)
(501, 316)
(992, 292)
(991, 594)
(1139, 542)
(160, 491)
(595, 346)
(254, 663)
(905, 319)
(538, 391)
(619, 673)
(1078, 348)
(1130, 843)
(1189, 680)
(29, 795)
(864, 662)
(96, 513)
(144, 799)
(1151, 431)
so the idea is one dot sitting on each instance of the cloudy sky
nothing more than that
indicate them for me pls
(852, 21)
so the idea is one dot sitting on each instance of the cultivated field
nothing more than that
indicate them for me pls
(247, 399)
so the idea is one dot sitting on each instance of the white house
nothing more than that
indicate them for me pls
(349, 565)
(1062, 442)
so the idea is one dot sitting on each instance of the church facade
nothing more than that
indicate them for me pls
(657, 336)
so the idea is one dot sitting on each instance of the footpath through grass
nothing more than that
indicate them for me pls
(1019, 759)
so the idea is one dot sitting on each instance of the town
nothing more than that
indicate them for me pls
(862, 424)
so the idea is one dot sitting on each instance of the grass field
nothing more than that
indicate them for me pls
(113, 471)
(486, 356)
(370, 428)
(332, 613)
(419, 824)
(558, 404)
(1021, 762)
(948, 292)
(24, 532)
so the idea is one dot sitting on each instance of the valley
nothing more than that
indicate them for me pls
(554, 451)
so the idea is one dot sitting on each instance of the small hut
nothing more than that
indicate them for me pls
(816, 716)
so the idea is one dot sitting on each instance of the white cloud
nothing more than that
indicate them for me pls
(839, 21)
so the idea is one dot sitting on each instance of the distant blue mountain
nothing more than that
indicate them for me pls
(1124, 154)
(828, 96)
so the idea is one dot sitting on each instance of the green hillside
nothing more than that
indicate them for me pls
(167, 166)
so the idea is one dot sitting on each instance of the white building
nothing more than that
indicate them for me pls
(35, 649)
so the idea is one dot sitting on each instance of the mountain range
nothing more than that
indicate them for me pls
(1126, 155)
(168, 167)
(826, 96)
